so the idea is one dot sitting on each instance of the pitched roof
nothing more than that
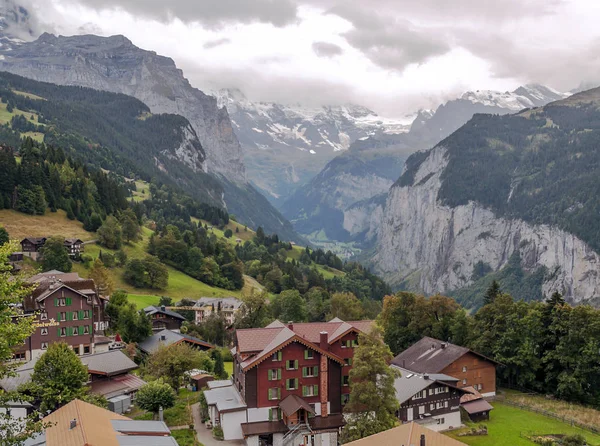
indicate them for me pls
(477, 406)
(51, 281)
(162, 310)
(408, 384)
(22, 375)
(109, 363)
(97, 426)
(229, 303)
(261, 342)
(168, 337)
(471, 395)
(119, 385)
(293, 403)
(431, 355)
(407, 435)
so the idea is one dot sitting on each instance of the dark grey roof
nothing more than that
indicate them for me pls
(477, 406)
(140, 426)
(225, 398)
(430, 355)
(152, 344)
(22, 376)
(145, 440)
(154, 310)
(409, 383)
(110, 363)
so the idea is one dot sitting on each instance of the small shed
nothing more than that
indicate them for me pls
(200, 381)
(475, 405)
(119, 404)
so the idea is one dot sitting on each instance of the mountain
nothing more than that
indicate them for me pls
(514, 197)
(432, 127)
(287, 145)
(328, 208)
(320, 209)
(114, 64)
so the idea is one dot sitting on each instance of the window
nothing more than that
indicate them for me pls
(274, 414)
(43, 316)
(276, 356)
(354, 343)
(430, 392)
(86, 329)
(345, 380)
(421, 394)
(291, 364)
(86, 349)
(345, 398)
(439, 390)
(274, 374)
(446, 404)
(464, 382)
(86, 314)
(19, 356)
(310, 390)
(441, 420)
(464, 369)
(431, 406)
(77, 331)
(291, 384)
(63, 331)
(62, 302)
(44, 331)
(310, 372)
(75, 315)
(421, 410)
(439, 405)
(347, 361)
(274, 393)
(309, 354)
(44, 346)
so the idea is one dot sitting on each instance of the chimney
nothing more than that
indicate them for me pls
(161, 416)
(323, 343)
(422, 443)
(425, 376)
(163, 308)
(291, 325)
(73, 424)
(444, 345)
(163, 338)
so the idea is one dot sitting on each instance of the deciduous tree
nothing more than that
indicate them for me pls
(171, 362)
(155, 395)
(55, 255)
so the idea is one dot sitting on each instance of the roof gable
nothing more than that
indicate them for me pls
(431, 355)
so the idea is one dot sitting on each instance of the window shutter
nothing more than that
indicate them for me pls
(279, 355)
(287, 384)
(304, 390)
(81, 330)
(58, 330)
(69, 301)
(270, 396)
(270, 414)
(56, 302)
(58, 317)
(278, 373)
(80, 314)
(296, 364)
(304, 372)
(89, 328)
(295, 383)
(270, 375)
(305, 354)
(349, 361)
(316, 370)
(316, 390)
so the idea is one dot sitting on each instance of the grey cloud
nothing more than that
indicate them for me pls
(326, 49)
(388, 41)
(215, 43)
(207, 12)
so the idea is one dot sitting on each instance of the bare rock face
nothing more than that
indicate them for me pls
(433, 248)
(115, 64)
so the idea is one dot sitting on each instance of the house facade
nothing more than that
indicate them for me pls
(470, 368)
(74, 247)
(227, 306)
(31, 246)
(67, 309)
(162, 318)
(289, 383)
(429, 400)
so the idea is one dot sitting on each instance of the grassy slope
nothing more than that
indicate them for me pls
(21, 225)
(507, 423)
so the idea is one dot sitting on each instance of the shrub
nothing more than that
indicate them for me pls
(217, 432)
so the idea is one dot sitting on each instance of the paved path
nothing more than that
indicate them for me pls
(204, 435)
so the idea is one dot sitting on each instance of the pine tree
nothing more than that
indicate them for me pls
(492, 293)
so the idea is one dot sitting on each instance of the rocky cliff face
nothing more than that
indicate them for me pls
(115, 64)
(431, 247)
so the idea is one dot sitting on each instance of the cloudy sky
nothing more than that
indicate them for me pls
(394, 56)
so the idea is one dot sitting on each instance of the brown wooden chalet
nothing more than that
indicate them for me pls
(31, 246)
(74, 246)
(163, 318)
(470, 368)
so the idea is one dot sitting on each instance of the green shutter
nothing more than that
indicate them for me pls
(69, 301)
(304, 372)
(279, 355)
(349, 361)
(270, 414)
(269, 375)
(305, 354)
(278, 373)
(287, 384)
(316, 370)
(58, 317)
(80, 314)
(296, 364)
(304, 390)
(316, 390)
(81, 329)
(269, 394)
(295, 383)
(58, 330)
(55, 302)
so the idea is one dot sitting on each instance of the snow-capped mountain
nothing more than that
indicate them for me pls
(286, 145)
(527, 96)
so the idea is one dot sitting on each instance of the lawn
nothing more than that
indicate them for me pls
(228, 367)
(36, 136)
(142, 191)
(181, 413)
(507, 423)
(29, 95)
(185, 437)
(21, 225)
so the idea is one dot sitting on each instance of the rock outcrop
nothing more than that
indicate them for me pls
(427, 246)
(115, 64)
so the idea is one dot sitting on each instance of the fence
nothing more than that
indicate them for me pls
(571, 421)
